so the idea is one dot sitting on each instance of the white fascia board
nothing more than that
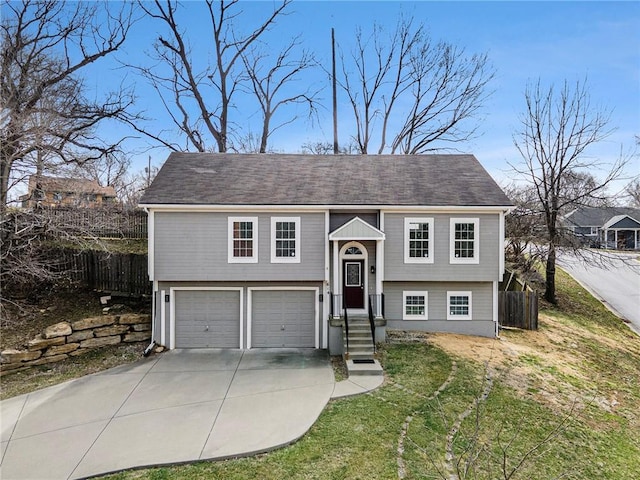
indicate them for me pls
(322, 208)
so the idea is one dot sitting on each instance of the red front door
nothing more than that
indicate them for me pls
(353, 281)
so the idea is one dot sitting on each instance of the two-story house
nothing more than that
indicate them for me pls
(249, 251)
(66, 192)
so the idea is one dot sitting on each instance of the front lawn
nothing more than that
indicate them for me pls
(562, 402)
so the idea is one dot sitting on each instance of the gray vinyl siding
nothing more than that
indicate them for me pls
(337, 219)
(441, 269)
(193, 246)
(481, 305)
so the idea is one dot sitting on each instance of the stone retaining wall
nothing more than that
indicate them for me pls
(69, 339)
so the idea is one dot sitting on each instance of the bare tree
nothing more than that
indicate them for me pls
(557, 128)
(327, 148)
(410, 94)
(270, 83)
(633, 192)
(199, 98)
(46, 118)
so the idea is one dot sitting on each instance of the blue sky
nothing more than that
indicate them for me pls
(552, 41)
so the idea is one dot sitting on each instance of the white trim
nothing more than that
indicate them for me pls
(411, 293)
(230, 257)
(430, 223)
(163, 319)
(298, 242)
(495, 305)
(326, 298)
(321, 208)
(172, 309)
(501, 245)
(250, 291)
(476, 240)
(450, 316)
(365, 269)
(336, 274)
(150, 244)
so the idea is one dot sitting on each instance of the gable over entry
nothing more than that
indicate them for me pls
(351, 260)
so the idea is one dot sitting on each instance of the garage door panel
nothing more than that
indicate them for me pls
(283, 318)
(207, 319)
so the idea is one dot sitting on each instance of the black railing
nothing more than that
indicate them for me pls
(346, 322)
(376, 303)
(372, 323)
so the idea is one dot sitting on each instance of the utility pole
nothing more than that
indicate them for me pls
(335, 94)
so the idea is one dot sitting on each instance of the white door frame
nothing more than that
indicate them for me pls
(365, 269)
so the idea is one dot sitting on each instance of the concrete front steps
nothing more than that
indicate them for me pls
(359, 355)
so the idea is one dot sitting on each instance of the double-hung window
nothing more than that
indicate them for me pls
(465, 242)
(418, 240)
(458, 305)
(415, 305)
(285, 239)
(243, 240)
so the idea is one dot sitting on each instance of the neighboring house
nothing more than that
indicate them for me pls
(253, 251)
(608, 227)
(66, 192)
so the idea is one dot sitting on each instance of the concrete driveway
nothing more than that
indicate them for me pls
(184, 405)
(613, 278)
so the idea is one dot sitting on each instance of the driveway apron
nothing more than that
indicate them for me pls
(184, 405)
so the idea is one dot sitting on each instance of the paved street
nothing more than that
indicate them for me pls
(614, 279)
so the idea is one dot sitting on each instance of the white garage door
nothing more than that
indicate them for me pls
(207, 318)
(283, 318)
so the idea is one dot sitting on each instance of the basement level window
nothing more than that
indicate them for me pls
(458, 305)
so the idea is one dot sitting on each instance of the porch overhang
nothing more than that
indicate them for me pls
(356, 229)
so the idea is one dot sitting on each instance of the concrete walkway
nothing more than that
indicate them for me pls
(184, 405)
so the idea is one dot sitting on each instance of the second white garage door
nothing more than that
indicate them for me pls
(283, 318)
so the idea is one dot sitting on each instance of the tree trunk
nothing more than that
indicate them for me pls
(550, 277)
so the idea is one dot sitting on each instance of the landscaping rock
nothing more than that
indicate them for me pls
(94, 322)
(105, 300)
(100, 342)
(142, 327)
(61, 329)
(60, 349)
(13, 356)
(52, 359)
(131, 318)
(40, 343)
(80, 351)
(137, 336)
(159, 349)
(80, 335)
(112, 330)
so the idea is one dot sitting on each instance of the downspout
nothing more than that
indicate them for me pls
(147, 351)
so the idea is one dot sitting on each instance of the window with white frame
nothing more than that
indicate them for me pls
(464, 247)
(458, 305)
(418, 240)
(415, 305)
(243, 240)
(285, 239)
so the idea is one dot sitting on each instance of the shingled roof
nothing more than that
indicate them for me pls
(276, 179)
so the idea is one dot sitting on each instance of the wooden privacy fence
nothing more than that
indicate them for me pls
(103, 223)
(518, 309)
(124, 273)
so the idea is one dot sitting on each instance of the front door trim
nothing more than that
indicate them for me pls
(364, 257)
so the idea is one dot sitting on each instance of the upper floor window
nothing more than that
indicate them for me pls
(243, 240)
(464, 247)
(418, 240)
(285, 239)
(458, 305)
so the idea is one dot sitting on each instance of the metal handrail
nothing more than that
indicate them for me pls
(372, 324)
(346, 319)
